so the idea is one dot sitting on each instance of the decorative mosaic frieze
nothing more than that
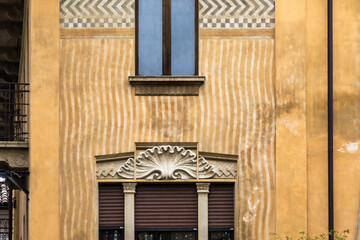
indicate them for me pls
(97, 13)
(245, 14)
(237, 13)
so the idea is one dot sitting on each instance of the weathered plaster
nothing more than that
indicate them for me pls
(346, 113)
(291, 155)
(316, 104)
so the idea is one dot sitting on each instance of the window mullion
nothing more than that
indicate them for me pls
(166, 37)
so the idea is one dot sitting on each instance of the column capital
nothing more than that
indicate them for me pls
(202, 187)
(129, 187)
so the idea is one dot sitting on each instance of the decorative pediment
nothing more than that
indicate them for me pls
(165, 162)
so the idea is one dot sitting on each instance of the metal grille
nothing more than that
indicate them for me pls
(14, 108)
(4, 229)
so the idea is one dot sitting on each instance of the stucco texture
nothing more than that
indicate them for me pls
(234, 114)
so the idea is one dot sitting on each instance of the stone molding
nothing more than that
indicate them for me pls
(202, 187)
(110, 164)
(225, 164)
(129, 187)
(14, 158)
(167, 85)
(166, 163)
(14, 144)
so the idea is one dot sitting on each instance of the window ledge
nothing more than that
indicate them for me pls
(167, 85)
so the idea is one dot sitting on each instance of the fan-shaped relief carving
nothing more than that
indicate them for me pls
(205, 169)
(166, 163)
(127, 169)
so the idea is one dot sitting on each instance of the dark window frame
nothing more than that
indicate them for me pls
(166, 37)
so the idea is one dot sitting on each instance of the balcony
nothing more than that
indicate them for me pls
(14, 89)
(14, 110)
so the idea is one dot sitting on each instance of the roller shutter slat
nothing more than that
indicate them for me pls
(166, 206)
(111, 205)
(221, 206)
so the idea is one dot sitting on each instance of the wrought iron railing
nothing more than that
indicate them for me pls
(14, 109)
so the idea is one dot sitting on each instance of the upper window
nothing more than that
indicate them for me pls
(166, 37)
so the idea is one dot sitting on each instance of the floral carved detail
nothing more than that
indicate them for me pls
(166, 163)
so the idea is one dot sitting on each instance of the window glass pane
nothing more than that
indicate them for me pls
(150, 37)
(221, 235)
(183, 37)
(183, 236)
(111, 235)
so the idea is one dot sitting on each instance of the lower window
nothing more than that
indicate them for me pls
(166, 235)
(221, 234)
(111, 234)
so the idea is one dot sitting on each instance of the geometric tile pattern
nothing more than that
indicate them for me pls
(237, 23)
(237, 13)
(94, 22)
(97, 13)
(212, 13)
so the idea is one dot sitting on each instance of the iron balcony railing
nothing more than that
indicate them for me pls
(14, 111)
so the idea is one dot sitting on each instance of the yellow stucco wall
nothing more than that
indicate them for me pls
(291, 161)
(301, 120)
(44, 120)
(234, 113)
(346, 113)
(316, 114)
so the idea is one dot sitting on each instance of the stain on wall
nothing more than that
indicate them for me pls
(346, 114)
(234, 113)
(212, 14)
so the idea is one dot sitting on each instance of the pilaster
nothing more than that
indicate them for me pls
(203, 192)
(129, 216)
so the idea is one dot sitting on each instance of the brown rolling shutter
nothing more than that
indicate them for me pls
(166, 206)
(221, 206)
(111, 205)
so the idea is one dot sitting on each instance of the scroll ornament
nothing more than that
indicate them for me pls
(166, 163)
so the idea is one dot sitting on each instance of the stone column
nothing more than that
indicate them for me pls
(129, 216)
(203, 192)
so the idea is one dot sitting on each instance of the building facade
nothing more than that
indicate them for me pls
(226, 106)
(191, 119)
